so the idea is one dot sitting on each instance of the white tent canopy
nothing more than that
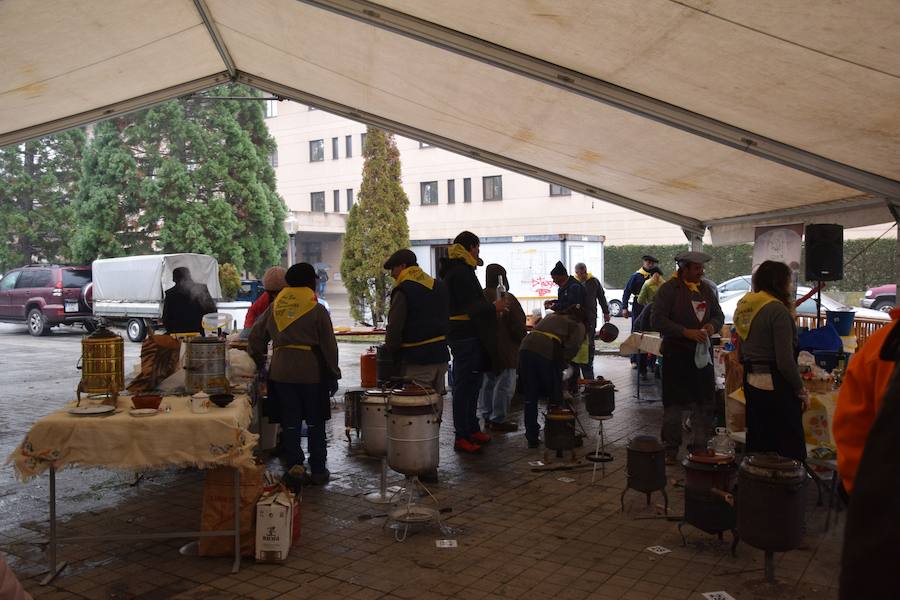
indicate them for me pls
(705, 113)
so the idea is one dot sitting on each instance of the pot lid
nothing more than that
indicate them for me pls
(773, 465)
(378, 393)
(103, 333)
(710, 457)
(645, 443)
(410, 389)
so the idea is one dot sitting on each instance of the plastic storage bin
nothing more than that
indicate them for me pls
(841, 319)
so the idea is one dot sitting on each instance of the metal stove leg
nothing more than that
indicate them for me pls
(683, 539)
(236, 566)
(596, 454)
(735, 538)
(666, 499)
(622, 499)
(770, 567)
(53, 568)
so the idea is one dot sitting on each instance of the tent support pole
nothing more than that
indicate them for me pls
(695, 238)
(894, 207)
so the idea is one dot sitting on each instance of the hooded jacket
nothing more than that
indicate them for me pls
(471, 315)
(511, 325)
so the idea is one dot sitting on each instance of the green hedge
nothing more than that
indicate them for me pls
(873, 267)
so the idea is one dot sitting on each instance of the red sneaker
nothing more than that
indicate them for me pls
(479, 437)
(464, 445)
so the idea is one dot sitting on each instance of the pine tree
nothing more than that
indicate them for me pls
(376, 227)
(188, 175)
(38, 180)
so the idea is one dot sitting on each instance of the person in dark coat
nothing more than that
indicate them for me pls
(472, 337)
(499, 384)
(594, 295)
(185, 304)
(634, 285)
(571, 292)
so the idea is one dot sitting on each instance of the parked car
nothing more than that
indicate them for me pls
(44, 296)
(251, 289)
(883, 297)
(614, 300)
(734, 286)
(808, 307)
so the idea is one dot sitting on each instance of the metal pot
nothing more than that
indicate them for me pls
(413, 430)
(646, 467)
(608, 333)
(204, 365)
(559, 433)
(709, 485)
(771, 502)
(102, 364)
(373, 422)
(353, 410)
(386, 370)
(599, 399)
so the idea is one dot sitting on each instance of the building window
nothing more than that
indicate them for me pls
(311, 252)
(273, 158)
(558, 190)
(467, 189)
(349, 199)
(493, 188)
(362, 142)
(429, 191)
(271, 108)
(334, 148)
(316, 150)
(425, 145)
(337, 200)
(348, 146)
(451, 191)
(317, 201)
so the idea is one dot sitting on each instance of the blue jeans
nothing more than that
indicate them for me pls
(541, 379)
(497, 390)
(299, 402)
(467, 369)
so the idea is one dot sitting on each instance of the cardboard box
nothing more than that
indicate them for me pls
(276, 515)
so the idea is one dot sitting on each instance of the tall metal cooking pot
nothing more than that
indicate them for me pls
(204, 365)
(771, 502)
(413, 430)
(385, 367)
(646, 467)
(560, 429)
(102, 365)
(373, 422)
(599, 398)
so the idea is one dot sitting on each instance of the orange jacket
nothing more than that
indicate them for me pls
(859, 400)
(256, 309)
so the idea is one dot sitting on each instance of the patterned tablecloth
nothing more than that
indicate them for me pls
(120, 441)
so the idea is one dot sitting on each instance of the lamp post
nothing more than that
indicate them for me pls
(290, 224)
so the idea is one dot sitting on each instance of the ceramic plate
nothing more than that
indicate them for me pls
(84, 411)
(142, 412)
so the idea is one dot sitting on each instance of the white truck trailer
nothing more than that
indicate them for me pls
(129, 291)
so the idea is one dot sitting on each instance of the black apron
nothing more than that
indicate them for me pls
(774, 417)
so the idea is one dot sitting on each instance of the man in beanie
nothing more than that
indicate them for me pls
(418, 321)
(273, 282)
(472, 336)
(571, 293)
(499, 384)
(593, 295)
(304, 370)
(686, 313)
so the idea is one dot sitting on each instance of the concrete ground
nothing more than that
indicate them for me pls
(520, 533)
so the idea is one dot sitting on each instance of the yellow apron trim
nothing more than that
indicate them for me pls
(291, 303)
(295, 347)
(587, 276)
(415, 274)
(694, 287)
(643, 272)
(552, 336)
(457, 251)
(439, 338)
(460, 318)
(747, 309)
(189, 334)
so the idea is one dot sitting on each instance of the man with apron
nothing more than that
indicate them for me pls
(686, 313)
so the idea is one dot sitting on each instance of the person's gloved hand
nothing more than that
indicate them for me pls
(332, 387)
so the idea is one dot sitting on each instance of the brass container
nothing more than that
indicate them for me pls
(102, 365)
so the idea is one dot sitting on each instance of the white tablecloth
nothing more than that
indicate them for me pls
(648, 341)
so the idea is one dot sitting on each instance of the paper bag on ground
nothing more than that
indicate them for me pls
(218, 509)
(277, 525)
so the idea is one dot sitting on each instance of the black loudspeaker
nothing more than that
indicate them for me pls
(824, 252)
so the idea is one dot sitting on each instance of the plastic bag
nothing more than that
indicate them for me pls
(701, 354)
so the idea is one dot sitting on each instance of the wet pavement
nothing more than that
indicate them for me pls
(520, 533)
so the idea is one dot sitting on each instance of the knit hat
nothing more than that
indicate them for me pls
(559, 269)
(404, 256)
(492, 275)
(301, 275)
(273, 279)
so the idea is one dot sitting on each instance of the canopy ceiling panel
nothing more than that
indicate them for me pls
(823, 76)
(65, 58)
(447, 94)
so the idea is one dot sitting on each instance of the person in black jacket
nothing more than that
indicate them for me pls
(472, 336)
(418, 321)
(185, 304)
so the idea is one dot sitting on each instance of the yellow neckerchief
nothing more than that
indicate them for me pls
(643, 272)
(747, 309)
(415, 274)
(587, 276)
(457, 251)
(291, 303)
(694, 287)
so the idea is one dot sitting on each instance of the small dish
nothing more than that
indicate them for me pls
(89, 411)
(221, 400)
(143, 412)
(142, 401)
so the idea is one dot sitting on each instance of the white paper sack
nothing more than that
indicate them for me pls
(240, 364)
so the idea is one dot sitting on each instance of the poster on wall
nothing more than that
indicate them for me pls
(782, 243)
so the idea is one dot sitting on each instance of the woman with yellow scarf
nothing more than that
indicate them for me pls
(776, 399)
